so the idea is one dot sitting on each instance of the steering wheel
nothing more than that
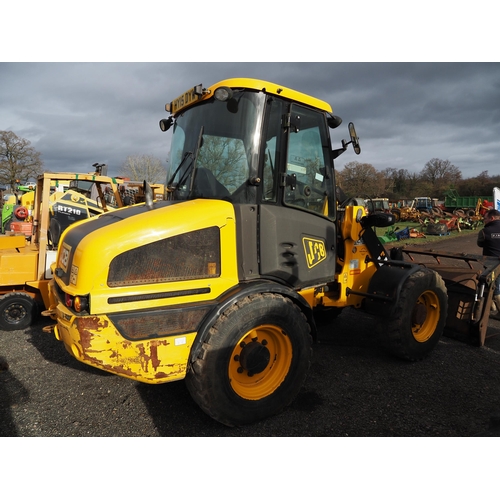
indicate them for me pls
(307, 196)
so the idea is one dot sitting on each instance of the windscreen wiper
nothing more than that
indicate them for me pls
(187, 154)
(191, 167)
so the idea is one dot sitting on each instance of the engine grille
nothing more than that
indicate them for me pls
(189, 256)
(160, 323)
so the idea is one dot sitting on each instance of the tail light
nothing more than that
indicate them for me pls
(78, 303)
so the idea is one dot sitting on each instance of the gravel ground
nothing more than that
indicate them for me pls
(354, 388)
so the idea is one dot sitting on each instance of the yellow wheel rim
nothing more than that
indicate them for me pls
(425, 316)
(260, 362)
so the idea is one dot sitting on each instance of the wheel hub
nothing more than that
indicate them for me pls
(260, 362)
(419, 314)
(254, 357)
(14, 313)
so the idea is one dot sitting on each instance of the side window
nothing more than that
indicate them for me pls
(308, 183)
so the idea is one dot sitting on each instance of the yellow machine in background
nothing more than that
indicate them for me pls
(219, 284)
(38, 218)
(29, 246)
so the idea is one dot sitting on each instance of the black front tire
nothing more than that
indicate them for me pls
(17, 311)
(253, 362)
(420, 316)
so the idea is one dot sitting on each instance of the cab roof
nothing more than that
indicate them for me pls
(190, 96)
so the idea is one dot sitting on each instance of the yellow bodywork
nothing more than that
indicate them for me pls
(17, 266)
(355, 269)
(94, 339)
(19, 263)
(152, 226)
(12, 242)
(189, 97)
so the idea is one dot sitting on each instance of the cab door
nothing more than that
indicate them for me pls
(297, 213)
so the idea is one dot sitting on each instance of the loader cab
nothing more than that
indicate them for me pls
(252, 147)
(297, 170)
(265, 149)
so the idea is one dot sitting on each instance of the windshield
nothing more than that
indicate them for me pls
(228, 136)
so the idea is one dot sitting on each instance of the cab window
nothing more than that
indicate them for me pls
(309, 184)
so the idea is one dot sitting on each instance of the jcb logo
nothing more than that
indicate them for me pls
(64, 254)
(315, 251)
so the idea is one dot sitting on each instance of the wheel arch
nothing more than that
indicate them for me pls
(385, 287)
(243, 290)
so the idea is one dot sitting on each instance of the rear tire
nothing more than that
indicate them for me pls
(420, 316)
(253, 362)
(17, 311)
(397, 214)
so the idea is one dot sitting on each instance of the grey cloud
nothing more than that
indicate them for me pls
(406, 113)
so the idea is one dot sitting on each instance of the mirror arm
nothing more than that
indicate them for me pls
(337, 152)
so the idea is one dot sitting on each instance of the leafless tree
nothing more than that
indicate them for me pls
(144, 167)
(225, 158)
(440, 175)
(19, 161)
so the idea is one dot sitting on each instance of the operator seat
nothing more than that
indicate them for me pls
(54, 231)
(207, 186)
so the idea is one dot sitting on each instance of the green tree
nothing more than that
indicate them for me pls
(19, 161)
(481, 185)
(361, 179)
(144, 167)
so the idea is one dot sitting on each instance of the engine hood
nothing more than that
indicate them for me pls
(88, 248)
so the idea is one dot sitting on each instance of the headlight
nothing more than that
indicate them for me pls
(223, 94)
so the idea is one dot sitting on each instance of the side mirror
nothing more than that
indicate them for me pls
(354, 138)
(166, 123)
(354, 141)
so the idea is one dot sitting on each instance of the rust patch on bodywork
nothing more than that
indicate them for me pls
(101, 345)
(86, 327)
(153, 354)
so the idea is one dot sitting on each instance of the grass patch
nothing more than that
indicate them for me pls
(381, 231)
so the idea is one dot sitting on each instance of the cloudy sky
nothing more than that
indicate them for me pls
(405, 114)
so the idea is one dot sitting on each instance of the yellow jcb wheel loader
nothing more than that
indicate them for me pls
(219, 283)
